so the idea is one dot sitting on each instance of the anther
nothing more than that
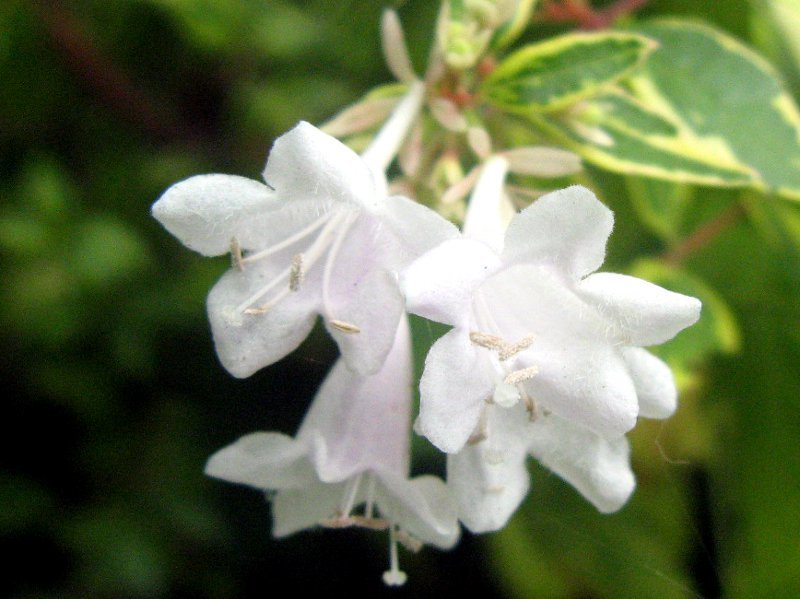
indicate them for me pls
(296, 274)
(521, 375)
(344, 327)
(237, 261)
(411, 543)
(486, 340)
(512, 349)
(370, 523)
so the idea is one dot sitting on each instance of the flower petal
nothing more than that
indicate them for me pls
(598, 469)
(374, 304)
(453, 391)
(489, 479)
(264, 461)
(359, 423)
(581, 376)
(297, 509)
(205, 212)
(566, 229)
(643, 313)
(417, 227)
(655, 385)
(246, 343)
(440, 284)
(421, 507)
(307, 165)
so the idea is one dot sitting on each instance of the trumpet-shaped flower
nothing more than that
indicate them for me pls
(532, 324)
(320, 236)
(351, 452)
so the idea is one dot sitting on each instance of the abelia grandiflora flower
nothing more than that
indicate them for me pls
(319, 236)
(348, 465)
(532, 324)
(536, 333)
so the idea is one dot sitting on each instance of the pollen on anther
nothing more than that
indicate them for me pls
(344, 327)
(521, 375)
(510, 350)
(296, 274)
(487, 340)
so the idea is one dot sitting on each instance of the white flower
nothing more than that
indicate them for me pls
(320, 237)
(532, 325)
(351, 450)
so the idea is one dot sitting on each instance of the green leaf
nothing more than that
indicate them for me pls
(561, 71)
(661, 205)
(617, 132)
(725, 97)
(716, 331)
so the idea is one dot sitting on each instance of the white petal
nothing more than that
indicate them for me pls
(246, 343)
(489, 479)
(567, 229)
(374, 304)
(307, 165)
(359, 423)
(263, 460)
(421, 507)
(297, 509)
(417, 228)
(453, 391)
(655, 385)
(598, 469)
(488, 212)
(642, 313)
(205, 212)
(440, 284)
(581, 375)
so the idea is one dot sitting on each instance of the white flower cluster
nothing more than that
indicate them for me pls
(545, 356)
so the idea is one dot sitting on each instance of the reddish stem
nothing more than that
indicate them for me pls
(705, 234)
(586, 17)
(112, 85)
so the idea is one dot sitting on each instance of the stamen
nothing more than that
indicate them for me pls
(487, 340)
(512, 349)
(370, 523)
(236, 255)
(370, 496)
(530, 405)
(305, 232)
(393, 577)
(296, 274)
(521, 375)
(411, 543)
(351, 489)
(344, 327)
(264, 308)
(481, 431)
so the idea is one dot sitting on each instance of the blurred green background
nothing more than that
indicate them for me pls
(114, 398)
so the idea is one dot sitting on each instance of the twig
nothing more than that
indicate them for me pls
(586, 17)
(705, 234)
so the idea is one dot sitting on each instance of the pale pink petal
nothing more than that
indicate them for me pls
(566, 229)
(307, 165)
(264, 461)
(207, 211)
(453, 391)
(440, 284)
(421, 507)
(599, 469)
(245, 342)
(642, 313)
(489, 479)
(655, 385)
(359, 423)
